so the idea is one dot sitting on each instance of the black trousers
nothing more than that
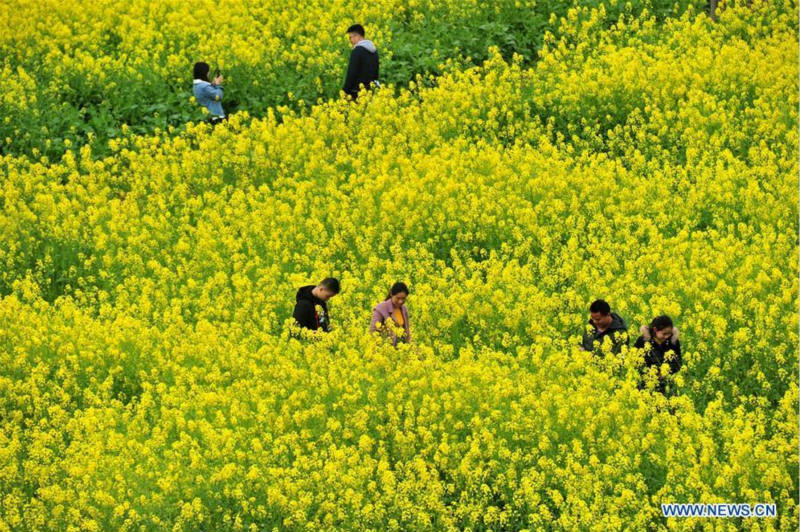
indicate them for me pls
(214, 120)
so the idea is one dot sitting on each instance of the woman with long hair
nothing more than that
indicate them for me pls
(660, 343)
(208, 93)
(390, 316)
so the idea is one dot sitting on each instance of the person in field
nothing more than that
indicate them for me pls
(364, 66)
(208, 93)
(603, 323)
(392, 314)
(660, 343)
(311, 308)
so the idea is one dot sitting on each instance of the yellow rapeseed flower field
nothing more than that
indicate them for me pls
(78, 72)
(149, 379)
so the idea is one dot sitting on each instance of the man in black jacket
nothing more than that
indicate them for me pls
(604, 323)
(311, 309)
(364, 67)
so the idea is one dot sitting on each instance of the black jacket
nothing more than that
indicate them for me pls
(654, 352)
(363, 68)
(618, 331)
(310, 311)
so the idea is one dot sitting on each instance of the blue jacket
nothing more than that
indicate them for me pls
(209, 96)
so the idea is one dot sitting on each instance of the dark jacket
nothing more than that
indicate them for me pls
(654, 353)
(363, 68)
(310, 311)
(618, 331)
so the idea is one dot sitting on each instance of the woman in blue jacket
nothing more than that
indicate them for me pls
(208, 93)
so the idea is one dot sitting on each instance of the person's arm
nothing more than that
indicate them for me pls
(587, 344)
(639, 344)
(214, 92)
(618, 339)
(304, 314)
(351, 80)
(386, 328)
(676, 362)
(376, 318)
(325, 319)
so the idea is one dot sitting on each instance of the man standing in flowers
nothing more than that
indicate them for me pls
(604, 324)
(311, 309)
(363, 69)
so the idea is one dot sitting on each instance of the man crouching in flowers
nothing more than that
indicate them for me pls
(604, 324)
(311, 309)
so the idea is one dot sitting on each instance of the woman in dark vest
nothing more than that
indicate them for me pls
(660, 343)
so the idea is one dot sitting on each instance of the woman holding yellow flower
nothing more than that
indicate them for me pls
(391, 315)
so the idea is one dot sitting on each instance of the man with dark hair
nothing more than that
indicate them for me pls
(364, 66)
(311, 309)
(604, 323)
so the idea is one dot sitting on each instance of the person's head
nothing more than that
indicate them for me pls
(328, 288)
(201, 70)
(355, 33)
(398, 294)
(600, 312)
(661, 328)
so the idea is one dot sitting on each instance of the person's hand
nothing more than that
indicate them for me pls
(218, 80)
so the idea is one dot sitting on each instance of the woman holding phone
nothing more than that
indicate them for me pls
(209, 93)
